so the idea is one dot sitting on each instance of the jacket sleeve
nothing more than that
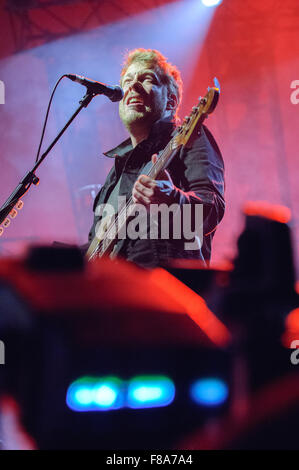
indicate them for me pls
(99, 199)
(201, 178)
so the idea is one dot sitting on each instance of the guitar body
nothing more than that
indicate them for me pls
(100, 234)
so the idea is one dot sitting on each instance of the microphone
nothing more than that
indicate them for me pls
(114, 93)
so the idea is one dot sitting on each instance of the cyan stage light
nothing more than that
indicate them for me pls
(95, 394)
(209, 392)
(150, 391)
(111, 393)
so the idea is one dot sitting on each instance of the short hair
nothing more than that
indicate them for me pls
(168, 73)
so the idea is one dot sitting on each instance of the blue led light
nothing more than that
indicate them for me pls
(209, 392)
(150, 391)
(95, 394)
(84, 396)
(145, 394)
(211, 3)
(104, 395)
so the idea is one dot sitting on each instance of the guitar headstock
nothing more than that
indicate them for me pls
(206, 105)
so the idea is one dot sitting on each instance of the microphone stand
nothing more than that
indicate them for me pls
(30, 177)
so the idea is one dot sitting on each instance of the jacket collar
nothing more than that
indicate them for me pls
(160, 132)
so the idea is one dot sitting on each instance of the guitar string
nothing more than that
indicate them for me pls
(124, 209)
(166, 153)
(114, 223)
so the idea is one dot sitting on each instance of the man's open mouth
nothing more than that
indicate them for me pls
(134, 100)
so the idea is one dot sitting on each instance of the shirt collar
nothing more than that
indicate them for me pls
(160, 130)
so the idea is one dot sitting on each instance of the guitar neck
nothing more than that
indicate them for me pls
(164, 160)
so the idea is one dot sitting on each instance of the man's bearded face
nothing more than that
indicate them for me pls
(145, 97)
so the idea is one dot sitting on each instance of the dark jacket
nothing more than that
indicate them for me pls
(198, 172)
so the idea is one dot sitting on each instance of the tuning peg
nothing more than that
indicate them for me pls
(6, 222)
(35, 180)
(194, 109)
(13, 213)
(19, 205)
(216, 83)
(186, 118)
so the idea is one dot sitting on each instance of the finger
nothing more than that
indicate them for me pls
(144, 190)
(139, 198)
(154, 158)
(146, 181)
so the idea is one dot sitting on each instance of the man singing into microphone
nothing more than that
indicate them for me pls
(195, 177)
